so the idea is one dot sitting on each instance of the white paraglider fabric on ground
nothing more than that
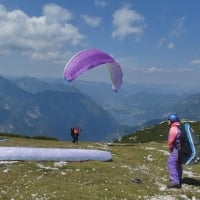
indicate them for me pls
(53, 154)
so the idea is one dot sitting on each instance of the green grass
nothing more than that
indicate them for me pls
(94, 179)
(157, 133)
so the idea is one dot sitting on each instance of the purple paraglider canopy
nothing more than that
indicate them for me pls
(90, 58)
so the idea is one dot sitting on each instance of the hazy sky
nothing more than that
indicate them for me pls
(155, 41)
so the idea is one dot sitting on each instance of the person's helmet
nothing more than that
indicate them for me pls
(173, 118)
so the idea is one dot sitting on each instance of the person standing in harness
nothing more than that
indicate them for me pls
(75, 134)
(174, 162)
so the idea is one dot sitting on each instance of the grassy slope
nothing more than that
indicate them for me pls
(93, 179)
(157, 133)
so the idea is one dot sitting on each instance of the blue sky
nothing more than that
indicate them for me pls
(155, 41)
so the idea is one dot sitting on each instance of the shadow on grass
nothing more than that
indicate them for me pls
(191, 181)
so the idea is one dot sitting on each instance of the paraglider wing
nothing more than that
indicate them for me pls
(90, 58)
(115, 75)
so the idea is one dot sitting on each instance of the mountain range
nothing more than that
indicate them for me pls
(50, 107)
(46, 111)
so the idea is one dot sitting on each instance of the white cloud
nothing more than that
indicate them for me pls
(152, 69)
(91, 21)
(126, 22)
(159, 75)
(171, 45)
(161, 42)
(196, 61)
(44, 37)
(100, 3)
(55, 13)
(179, 28)
(177, 31)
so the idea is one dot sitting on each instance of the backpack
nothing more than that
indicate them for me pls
(189, 151)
